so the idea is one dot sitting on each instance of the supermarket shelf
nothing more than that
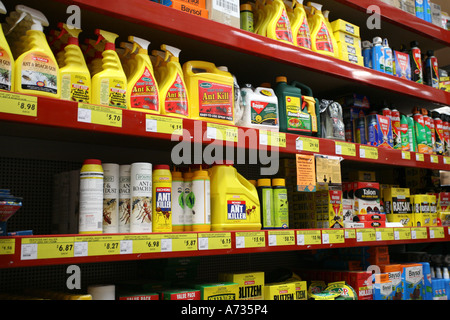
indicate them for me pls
(26, 251)
(66, 115)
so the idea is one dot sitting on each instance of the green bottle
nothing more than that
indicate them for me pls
(265, 194)
(281, 205)
(412, 134)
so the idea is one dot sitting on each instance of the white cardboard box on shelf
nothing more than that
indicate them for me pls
(224, 11)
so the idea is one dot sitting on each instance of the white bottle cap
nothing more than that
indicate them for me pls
(445, 271)
(438, 273)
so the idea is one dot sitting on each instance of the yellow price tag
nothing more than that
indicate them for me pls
(308, 237)
(345, 148)
(250, 239)
(104, 115)
(281, 238)
(7, 246)
(434, 158)
(47, 248)
(402, 233)
(221, 132)
(167, 125)
(18, 104)
(103, 245)
(214, 240)
(330, 236)
(446, 160)
(277, 139)
(420, 157)
(350, 233)
(406, 155)
(419, 233)
(178, 242)
(384, 234)
(437, 233)
(367, 152)
(366, 234)
(307, 144)
(145, 243)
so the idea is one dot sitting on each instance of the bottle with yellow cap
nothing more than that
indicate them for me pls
(162, 198)
(188, 200)
(177, 201)
(280, 204)
(265, 194)
(201, 210)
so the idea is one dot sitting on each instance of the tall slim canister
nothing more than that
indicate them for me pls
(141, 218)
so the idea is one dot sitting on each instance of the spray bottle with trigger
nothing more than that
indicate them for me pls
(6, 60)
(109, 86)
(142, 92)
(31, 77)
(74, 74)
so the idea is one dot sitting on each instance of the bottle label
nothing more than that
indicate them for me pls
(263, 113)
(39, 73)
(189, 201)
(304, 35)
(177, 203)
(113, 92)
(5, 70)
(296, 119)
(163, 208)
(281, 212)
(323, 39)
(202, 209)
(236, 210)
(176, 98)
(417, 71)
(283, 30)
(144, 94)
(215, 100)
(74, 87)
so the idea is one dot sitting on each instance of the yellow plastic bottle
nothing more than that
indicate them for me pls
(321, 36)
(279, 26)
(174, 95)
(6, 60)
(301, 32)
(142, 92)
(211, 92)
(36, 69)
(326, 14)
(74, 74)
(266, 13)
(258, 15)
(109, 86)
(128, 59)
(234, 200)
(162, 202)
(94, 51)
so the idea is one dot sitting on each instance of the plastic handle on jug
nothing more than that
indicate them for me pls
(308, 91)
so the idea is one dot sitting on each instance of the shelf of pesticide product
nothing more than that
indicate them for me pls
(23, 251)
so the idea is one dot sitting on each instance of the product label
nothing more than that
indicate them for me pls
(189, 201)
(283, 30)
(402, 65)
(297, 120)
(124, 204)
(177, 203)
(145, 93)
(113, 92)
(91, 201)
(75, 87)
(263, 113)
(236, 210)
(39, 73)
(163, 208)
(267, 207)
(176, 100)
(304, 35)
(323, 39)
(215, 100)
(5, 70)
(202, 208)
(281, 213)
(417, 73)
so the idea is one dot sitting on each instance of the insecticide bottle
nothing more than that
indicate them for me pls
(201, 211)
(177, 201)
(439, 133)
(110, 198)
(301, 32)
(141, 217)
(124, 198)
(260, 108)
(246, 17)
(404, 133)
(234, 201)
(74, 74)
(109, 86)
(142, 91)
(173, 93)
(36, 69)
(421, 136)
(428, 130)
(412, 134)
(312, 107)
(265, 194)
(126, 52)
(396, 128)
(6, 60)
(189, 201)
(416, 62)
(238, 108)
(378, 55)
(419, 9)
(264, 8)
(445, 129)
(95, 59)
(387, 51)
(431, 70)
(367, 53)
(162, 199)
(211, 92)
(91, 197)
(326, 14)
(427, 10)
(278, 26)
(280, 204)
(321, 35)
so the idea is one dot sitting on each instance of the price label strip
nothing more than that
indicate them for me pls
(307, 144)
(366, 152)
(420, 157)
(214, 241)
(281, 238)
(419, 233)
(178, 242)
(366, 234)
(308, 237)
(437, 233)
(345, 149)
(18, 104)
(406, 155)
(384, 234)
(97, 245)
(47, 248)
(7, 246)
(330, 236)
(434, 158)
(221, 132)
(167, 125)
(103, 115)
(250, 239)
(145, 243)
(272, 138)
(402, 233)
(350, 233)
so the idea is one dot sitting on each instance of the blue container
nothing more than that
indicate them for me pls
(420, 9)
(427, 10)
(378, 55)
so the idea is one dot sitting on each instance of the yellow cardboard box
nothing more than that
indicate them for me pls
(250, 284)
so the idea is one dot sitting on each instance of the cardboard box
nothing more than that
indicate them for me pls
(361, 282)
(180, 294)
(382, 287)
(353, 58)
(395, 276)
(424, 210)
(301, 289)
(436, 14)
(189, 8)
(226, 12)
(444, 217)
(251, 284)
(398, 206)
(279, 291)
(345, 38)
(402, 67)
(137, 296)
(366, 198)
(218, 291)
(350, 49)
(344, 26)
(413, 281)
(372, 217)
